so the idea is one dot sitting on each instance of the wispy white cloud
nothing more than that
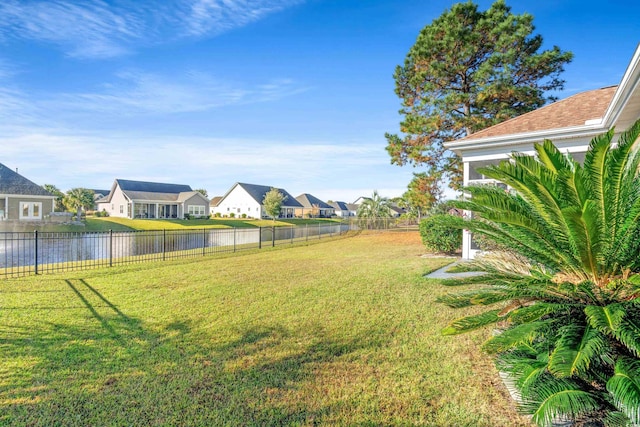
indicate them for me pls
(146, 93)
(87, 29)
(207, 17)
(100, 29)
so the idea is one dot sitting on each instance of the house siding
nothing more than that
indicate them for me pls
(239, 202)
(11, 206)
(116, 201)
(196, 200)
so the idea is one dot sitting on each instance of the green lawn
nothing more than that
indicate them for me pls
(344, 332)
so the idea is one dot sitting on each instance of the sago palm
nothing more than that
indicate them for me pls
(563, 298)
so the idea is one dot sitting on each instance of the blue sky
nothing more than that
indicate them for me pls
(289, 93)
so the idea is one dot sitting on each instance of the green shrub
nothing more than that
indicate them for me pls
(244, 215)
(437, 236)
(232, 215)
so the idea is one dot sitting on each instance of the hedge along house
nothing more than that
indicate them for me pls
(140, 199)
(570, 123)
(21, 199)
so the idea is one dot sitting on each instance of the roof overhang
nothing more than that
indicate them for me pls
(622, 112)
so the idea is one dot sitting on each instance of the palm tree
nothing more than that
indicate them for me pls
(564, 297)
(374, 209)
(79, 198)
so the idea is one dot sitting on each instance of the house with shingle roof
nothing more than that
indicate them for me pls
(141, 199)
(340, 208)
(570, 123)
(22, 199)
(246, 199)
(313, 207)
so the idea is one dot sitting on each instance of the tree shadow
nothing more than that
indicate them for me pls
(103, 366)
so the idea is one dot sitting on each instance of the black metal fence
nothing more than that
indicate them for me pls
(38, 252)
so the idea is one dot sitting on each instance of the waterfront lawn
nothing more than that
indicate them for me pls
(343, 332)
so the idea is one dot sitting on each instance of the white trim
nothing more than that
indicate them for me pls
(624, 91)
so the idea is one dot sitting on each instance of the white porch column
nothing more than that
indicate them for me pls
(466, 235)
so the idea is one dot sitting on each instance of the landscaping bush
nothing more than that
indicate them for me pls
(232, 215)
(438, 236)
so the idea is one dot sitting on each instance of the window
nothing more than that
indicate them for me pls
(474, 174)
(238, 210)
(121, 209)
(30, 210)
(196, 210)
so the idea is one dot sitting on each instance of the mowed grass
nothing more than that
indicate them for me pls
(344, 332)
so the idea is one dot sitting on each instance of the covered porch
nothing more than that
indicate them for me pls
(156, 210)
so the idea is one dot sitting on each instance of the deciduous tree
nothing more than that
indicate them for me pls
(272, 202)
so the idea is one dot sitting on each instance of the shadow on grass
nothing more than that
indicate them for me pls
(99, 366)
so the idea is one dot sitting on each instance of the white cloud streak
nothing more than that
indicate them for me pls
(146, 93)
(100, 29)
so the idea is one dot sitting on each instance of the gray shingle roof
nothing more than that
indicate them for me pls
(310, 201)
(13, 183)
(342, 206)
(152, 187)
(257, 192)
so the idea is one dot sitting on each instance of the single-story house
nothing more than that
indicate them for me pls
(570, 123)
(340, 208)
(353, 209)
(247, 199)
(139, 199)
(313, 207)
(21, 199)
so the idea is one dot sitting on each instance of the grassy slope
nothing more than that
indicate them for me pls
(338, 333)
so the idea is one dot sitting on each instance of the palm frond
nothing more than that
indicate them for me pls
(512, 337)
(624, 386)
(575, 350)
(606, 319)
(471, 323)
(536, 311)
(553, 398)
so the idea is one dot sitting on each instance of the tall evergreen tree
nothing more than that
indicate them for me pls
(468, 70)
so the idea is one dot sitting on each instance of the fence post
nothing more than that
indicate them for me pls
(306, 232)
(35, 235)
(110, 248)
(204, 241)
(234, 239)
(164, 244)
(292, 230)
(259, 237)
(273, 236)
(319, 230)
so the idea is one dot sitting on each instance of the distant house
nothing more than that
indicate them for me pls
(353, 209)
(247, 199)
(397, 211)
(97, 195)
(139, 199)
(21, 199)
(340, 208)
(313, 207)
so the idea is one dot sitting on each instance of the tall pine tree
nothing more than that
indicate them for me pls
(468, 70)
